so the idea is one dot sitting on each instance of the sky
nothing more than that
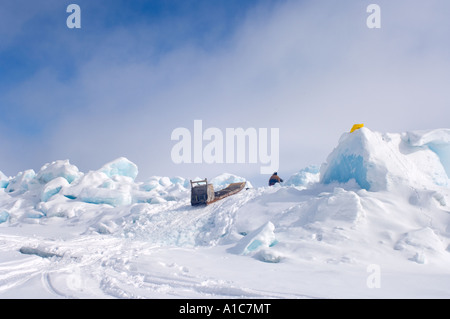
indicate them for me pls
(137, 70)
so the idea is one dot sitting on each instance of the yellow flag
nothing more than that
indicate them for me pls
(356, 127)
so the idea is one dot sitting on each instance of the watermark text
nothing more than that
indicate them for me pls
(235, 145)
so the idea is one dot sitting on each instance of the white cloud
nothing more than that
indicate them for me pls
(311, 69)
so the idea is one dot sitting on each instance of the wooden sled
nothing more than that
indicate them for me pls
(203, 193)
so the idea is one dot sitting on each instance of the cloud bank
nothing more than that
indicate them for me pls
(122, 83)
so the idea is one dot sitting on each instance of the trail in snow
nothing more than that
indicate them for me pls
(109, 267)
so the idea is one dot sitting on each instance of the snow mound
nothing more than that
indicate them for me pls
(56, 169)
(59, 189)
(21, 182)
(420, 243)
(257, 243)
(305, 176)
(120, 167)
(223, 180)
(53, 187)
(379, 162)
(38, 252)
(437, 141)
(4, 181)
(4, 216)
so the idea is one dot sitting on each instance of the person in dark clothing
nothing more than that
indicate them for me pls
(275, 179)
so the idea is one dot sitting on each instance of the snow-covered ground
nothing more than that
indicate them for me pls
(373, 221)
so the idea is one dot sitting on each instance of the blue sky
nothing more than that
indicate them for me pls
(137, 70)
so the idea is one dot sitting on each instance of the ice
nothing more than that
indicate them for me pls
(38, 252)
(181, 181)
(160, 189)
(61, 168)
(341, 207)
(4, 215)
(436, 140)
(116, 197)
(378, 199)
(4, 181)
(53, 187)
(261, 238)
(151, 184)
(21, 182)
(305, 176)
(121, 167)
(98, 187)
(223, 180)
(382, 162)
(165, 181)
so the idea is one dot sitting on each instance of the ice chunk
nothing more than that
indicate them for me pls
(53, 187)
(424, 137)
(122, 167)
(108, 227)
(304, 177)
(382, 162)
(268, 256)
(34, 214)
(223, 180)
(180, 180)
(351, 160)
(150, 185)
(341, 205)
(165, 181)
(96, 187)
(262, 237)
(159, 189)
(160, 183)
(21, 182)
(176, 192)
(38, 251)
(113, 197)
(61, 168)
(4, 215)
(436, 140)
(348, 167)
(4, 181)
(92, 179)
(443, 152)
(60, 206)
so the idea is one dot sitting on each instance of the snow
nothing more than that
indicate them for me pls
(21, 182)
(4, 181)
(223, 180)
(257, 242)
(3, 217)
(379, 202)
(436, 140)
(53, 187)
(384, 161)
(305, 177)
(56, 169)
(120, 167)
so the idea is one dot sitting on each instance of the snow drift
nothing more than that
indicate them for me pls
(379, 198)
